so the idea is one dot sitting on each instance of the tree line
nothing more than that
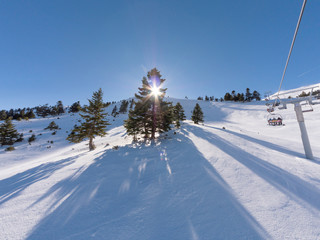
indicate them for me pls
(235, 97)
(149, 115)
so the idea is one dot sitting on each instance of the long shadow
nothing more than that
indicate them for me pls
(164, 191)
(11, 187)
(261, 142)
(291, 185)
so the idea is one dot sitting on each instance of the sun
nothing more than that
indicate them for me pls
(155, 91)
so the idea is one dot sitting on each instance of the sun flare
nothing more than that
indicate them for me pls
(155, 91)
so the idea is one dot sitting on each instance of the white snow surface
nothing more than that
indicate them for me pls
(234, 177)
(293, 93)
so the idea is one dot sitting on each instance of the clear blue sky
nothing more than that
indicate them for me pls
(65, 50)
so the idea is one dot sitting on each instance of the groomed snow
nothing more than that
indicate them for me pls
(234, 177)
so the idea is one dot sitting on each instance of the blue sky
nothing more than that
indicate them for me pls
(65, 50)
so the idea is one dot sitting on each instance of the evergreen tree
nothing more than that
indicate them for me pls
(206, 98)
(3, 115)
(94, 121)
(227, 97)
(237, 97)
(31, 139)
(256, 95)
(233, 95)
(248, 95)
(241, 97)
(114, 111)
(52, 126)
(60, 108)
(8, 133)
(200, 98)
(75, 107)
(30, 114)
(43, 111)
(197, 114)
(124, 106)
(151, 113)
(178, 114)
(131, 103)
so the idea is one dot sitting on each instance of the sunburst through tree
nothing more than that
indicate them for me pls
(151, 113)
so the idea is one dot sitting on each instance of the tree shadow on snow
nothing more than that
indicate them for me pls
(164, 191)
(11, 187)
(261, 142)
(294, 187)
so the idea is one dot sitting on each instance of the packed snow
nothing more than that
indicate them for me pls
(233, 177)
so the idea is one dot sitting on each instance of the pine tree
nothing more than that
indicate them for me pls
(256, 95)
(114, 111)
(151, 113)
(124, 106)
(30, 114)
(178, 114)
(94, 121)
(43, 111)
(52, 126)
(60, 108)
(8, 133)
(227, 97)
(248, 95)
(3, 115)
(131, 103)
(197, 114)
(75, 107)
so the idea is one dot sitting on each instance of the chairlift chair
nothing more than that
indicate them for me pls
(307, 107)
(274, 119)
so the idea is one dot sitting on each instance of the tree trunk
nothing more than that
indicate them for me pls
(91, 144)
(153, 132)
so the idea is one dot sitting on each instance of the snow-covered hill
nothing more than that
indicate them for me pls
(234, 177)
(293, 93)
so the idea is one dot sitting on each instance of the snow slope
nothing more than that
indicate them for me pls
(234, 177)
(295, 92)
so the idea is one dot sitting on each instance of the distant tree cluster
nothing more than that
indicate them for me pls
(233, 96)
(17, 114)
(45, 110)
(206, 98)
(242, 97)
(304, 94)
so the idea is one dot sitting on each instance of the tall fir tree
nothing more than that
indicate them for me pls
(178, 114)
(8, 134)
(94, 121)
(197, 114)
(151, 113)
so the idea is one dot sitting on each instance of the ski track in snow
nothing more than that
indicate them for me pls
(234, 177)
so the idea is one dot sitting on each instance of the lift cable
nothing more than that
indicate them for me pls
(293, 40)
